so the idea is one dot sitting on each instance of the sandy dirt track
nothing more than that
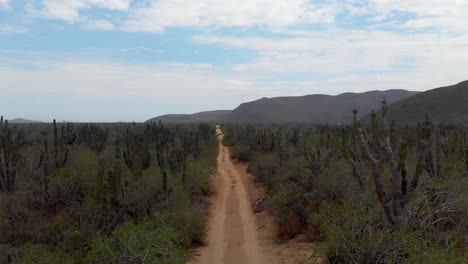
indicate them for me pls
(234, 233)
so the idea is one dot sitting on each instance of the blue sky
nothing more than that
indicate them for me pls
(124, 60)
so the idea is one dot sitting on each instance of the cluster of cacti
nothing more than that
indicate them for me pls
(386, 150)
(11, 160)
(136, 154)
(51, 161)
(93, 137)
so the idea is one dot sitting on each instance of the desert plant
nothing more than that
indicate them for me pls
(386, 151)
(11, 163)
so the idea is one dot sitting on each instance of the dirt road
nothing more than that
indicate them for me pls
(235, 234)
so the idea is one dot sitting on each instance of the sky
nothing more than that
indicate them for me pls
(130, 60)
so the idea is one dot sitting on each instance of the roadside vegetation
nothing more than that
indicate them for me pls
(372, 192)
(103, 193)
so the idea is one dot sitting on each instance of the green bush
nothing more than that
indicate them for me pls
(190, 223)
(265, 167)
(359, 234)
(33, 254)
(151, 242)
(241, 152)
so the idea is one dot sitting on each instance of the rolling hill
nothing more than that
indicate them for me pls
(298, 109)
(448, 105)
(22, 121)
(208, 116)
(313, 108)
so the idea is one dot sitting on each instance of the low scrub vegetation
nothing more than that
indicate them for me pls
(368, 193)
(89, 193)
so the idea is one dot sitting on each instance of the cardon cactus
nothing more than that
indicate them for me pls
(11, 163)
(136, 155)
(384, 154)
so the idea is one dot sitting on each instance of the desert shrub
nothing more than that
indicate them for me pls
(33, 254)
(18, 223)
(228, 138)
(264, 167)
(336, 184)
(359, 234)
(241, 152)
(197, 179)
(151, 242)
(190, 223)
(66, 189)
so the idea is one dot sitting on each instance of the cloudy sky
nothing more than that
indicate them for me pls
(123, 60)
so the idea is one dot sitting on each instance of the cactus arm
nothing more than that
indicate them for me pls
(375, 164)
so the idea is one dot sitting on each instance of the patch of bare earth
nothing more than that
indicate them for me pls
(235, 234)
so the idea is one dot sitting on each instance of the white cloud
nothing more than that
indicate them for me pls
(4, 5)
(270, 14)
(418, 58)
(190, 87)
(197, 87)
(69, 10)
(445, 15)
(99, 25)
(158, 15)
(6, 29)
(337, 60)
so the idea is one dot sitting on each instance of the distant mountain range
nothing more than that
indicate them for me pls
(299, 109)
(313, 108)
(444, 105)
(447, 105)
(22, 121)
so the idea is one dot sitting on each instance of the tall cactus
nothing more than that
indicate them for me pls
(433, 165)
(351, 155)
(60, 153)
(465, 152)
(164, 184)
(118, 171)
(397, 195)
(50, 162)
(93, 137)
(136, 155)
(100, 181)
(114, 190)
(11, 161)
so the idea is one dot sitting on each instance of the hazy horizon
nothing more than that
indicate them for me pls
(131, 60)
(163, 114)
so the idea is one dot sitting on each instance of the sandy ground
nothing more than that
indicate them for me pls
(235, 234)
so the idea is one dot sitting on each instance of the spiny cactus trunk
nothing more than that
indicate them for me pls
(45, 182)
(10, 158)
(57, 163)
(465, 152)
(136, 156)
(165, 189)
(399, 193)
(114, 190)
(118, 173)
(100, 181)
(438, 154)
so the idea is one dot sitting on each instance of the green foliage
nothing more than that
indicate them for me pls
(241, 153)
(33, 254)
(319, 172)
(358, 234)
(67, 213)
(151, 242)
